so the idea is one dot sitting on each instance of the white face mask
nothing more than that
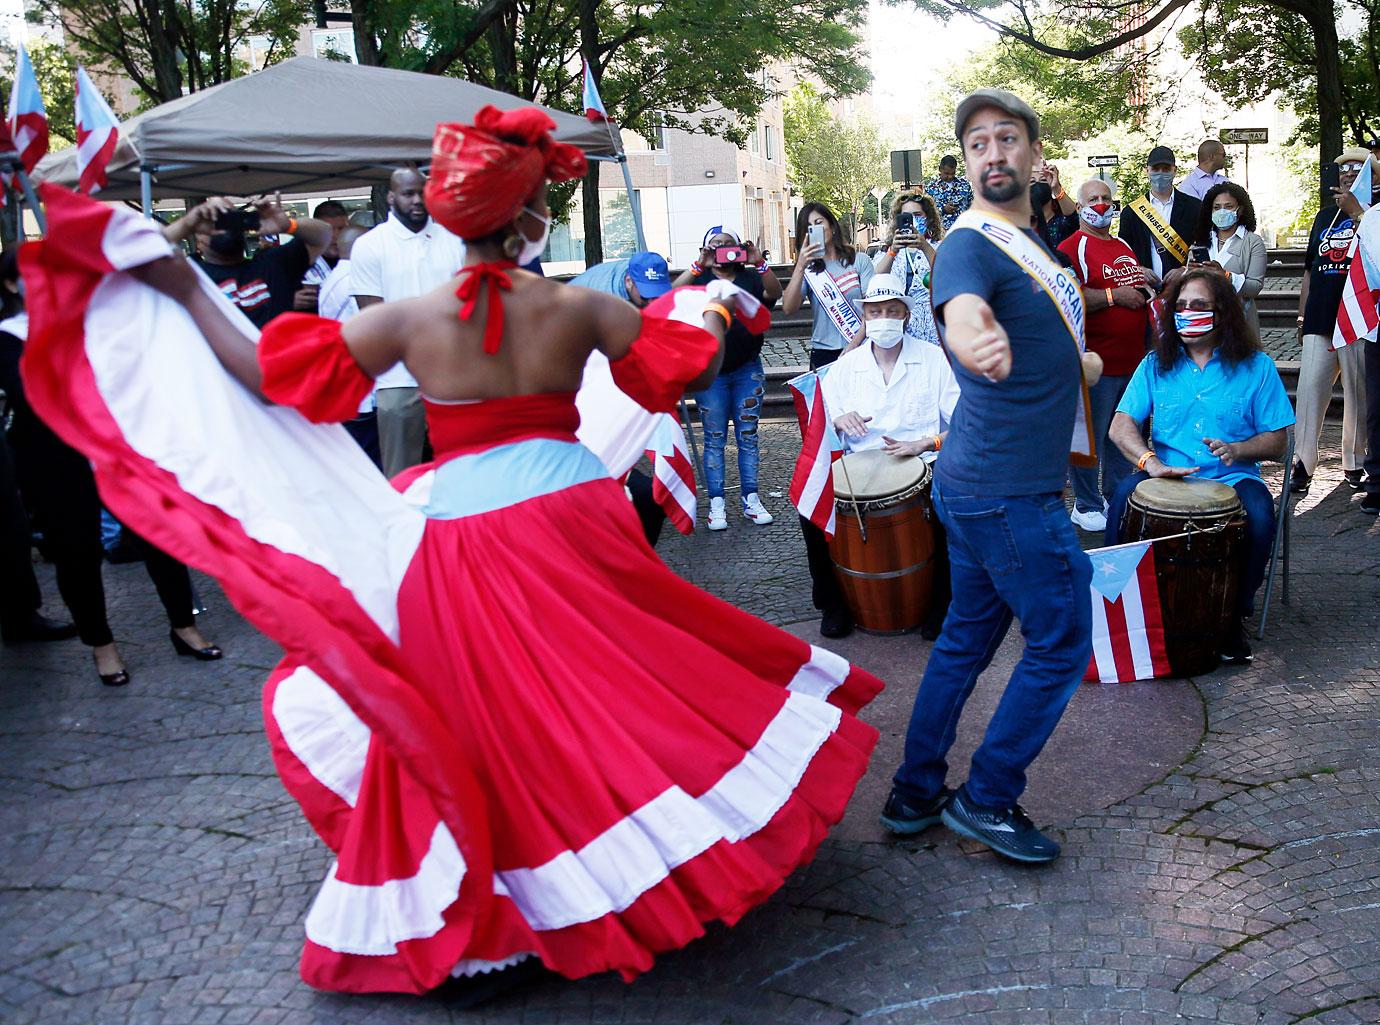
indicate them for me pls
(532, 248)
(885, 332)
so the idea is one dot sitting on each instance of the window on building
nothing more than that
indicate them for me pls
(769, 134)
(334, 44)
(755, 141)
(258, 48)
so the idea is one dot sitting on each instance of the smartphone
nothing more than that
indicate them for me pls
(1331, 178)
(905, 222)
(1198, 254)
(814, 234)
(242, 221)
(724, 255)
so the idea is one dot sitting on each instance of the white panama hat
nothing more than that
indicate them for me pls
(886, 287)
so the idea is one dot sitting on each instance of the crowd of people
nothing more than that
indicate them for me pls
(1002, 307)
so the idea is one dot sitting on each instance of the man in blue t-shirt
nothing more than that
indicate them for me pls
(998, 489)
(1217, 406)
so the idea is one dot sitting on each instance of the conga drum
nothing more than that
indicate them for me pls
(1198, 573)
(885, 567)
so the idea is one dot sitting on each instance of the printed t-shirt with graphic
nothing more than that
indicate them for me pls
(263, 286)
(741, 346)
(1328, 242)
(1008, 438)
(1190, 403)
(852, 279)
(1116, 333)
(955, 191)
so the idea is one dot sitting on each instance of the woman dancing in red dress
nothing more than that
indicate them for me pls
(520, 733)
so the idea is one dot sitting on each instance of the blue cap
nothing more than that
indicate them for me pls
(650, 274)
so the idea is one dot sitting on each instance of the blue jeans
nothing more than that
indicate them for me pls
(735, 395)
(1088, 494)
(1009, 557)
(1260, 532)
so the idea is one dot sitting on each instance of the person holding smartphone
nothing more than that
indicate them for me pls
(1055, 212)
(736, 393)
(1326, 265)
(917, 228)
(1226, 242)
(821, 249)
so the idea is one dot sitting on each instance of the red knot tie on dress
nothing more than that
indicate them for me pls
(472, 283)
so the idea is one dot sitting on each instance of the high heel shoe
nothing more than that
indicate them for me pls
(210, 653)
(116, 679)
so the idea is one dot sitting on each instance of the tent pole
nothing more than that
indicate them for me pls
(632, 202)
(32, 200)
(146, 189)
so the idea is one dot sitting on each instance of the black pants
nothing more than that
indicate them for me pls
(62, 491)
(365, 430)
(19, 594)
(651, 514)
(1372, 463)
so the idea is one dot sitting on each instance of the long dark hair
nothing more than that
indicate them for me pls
(802, 223)
(1246, 216)
(1235, 340)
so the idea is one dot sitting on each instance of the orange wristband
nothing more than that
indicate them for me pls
(292, 226)
(938, 442)
(720, 309)
(1110, 301)
(1143, 460)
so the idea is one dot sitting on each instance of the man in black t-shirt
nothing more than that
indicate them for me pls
(1325, 272)
(269, 282)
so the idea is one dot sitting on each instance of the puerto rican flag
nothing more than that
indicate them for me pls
(594, 106)
(1128, 630)
(98, 132)
(673, 475)
(28, 119)
(812, 483)
(1356, 314)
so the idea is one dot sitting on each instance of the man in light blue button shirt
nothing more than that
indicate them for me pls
(1218, 408)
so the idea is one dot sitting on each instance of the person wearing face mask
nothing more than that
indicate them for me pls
(1118, 318)
(1158, 225)
(406, 256)
(909, 255)
(270, 281)
(1055, 212)
(1226, 225)
(1216, 406)
(895, 393)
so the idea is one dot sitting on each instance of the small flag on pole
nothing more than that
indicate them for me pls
(594, 106)
(28, 119)
(673, 475)
(1356, 314)
(812, 483)
(1128, 629)
(98, 132)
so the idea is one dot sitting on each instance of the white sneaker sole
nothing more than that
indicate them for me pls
(718, 524)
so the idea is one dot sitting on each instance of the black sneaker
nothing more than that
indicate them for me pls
(835, 623)
(1009, 831)
(1371, 503)
(1234, 648)
(1301, 480)
(905, 817)
(1353, 478)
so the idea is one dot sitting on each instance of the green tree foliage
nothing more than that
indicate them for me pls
(172, 48)
(832, 160)
(56, 71)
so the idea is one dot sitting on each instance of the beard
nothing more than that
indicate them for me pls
(1002, 193)
(416, 217)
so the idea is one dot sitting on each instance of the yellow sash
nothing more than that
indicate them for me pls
(1164, 234)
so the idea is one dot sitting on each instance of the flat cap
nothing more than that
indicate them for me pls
(1002, 100)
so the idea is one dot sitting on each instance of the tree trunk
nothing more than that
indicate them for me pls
(366, 46)
(589, 49)
(503, 52)
(1329, 85)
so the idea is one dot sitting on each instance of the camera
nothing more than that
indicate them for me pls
(238, 221)
(1198, 254)
(729, 254)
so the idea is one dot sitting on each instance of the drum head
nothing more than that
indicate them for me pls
(1183, 496)
(875, 475)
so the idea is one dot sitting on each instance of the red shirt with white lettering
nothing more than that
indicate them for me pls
(1117, 334)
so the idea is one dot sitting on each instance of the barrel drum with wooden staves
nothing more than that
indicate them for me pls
(1198, 574)
(885, 567)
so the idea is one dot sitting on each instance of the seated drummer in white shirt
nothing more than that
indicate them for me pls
(894, 393)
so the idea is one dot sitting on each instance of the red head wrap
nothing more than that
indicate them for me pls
(483, 174)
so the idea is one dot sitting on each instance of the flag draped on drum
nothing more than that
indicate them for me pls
(1128, 630)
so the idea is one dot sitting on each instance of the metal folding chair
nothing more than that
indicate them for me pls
(1279, 550)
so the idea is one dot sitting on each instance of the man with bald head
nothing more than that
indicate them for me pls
(405, 256)
(1116, 329)
(1212, 157)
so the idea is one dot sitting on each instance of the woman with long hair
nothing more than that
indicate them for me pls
(522, 735)
(1226, 225)
(909, 256)
(822, 249)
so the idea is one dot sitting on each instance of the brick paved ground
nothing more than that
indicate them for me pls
(154, 870)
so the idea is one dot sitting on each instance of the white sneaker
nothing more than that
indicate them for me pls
(1093, 521)
(718, 515)
(754, 510)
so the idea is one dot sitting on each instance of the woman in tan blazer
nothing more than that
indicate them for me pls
(1226, 225)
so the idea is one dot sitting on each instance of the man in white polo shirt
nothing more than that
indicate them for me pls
(407, 255)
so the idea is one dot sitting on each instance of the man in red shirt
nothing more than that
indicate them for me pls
(1117, 321)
